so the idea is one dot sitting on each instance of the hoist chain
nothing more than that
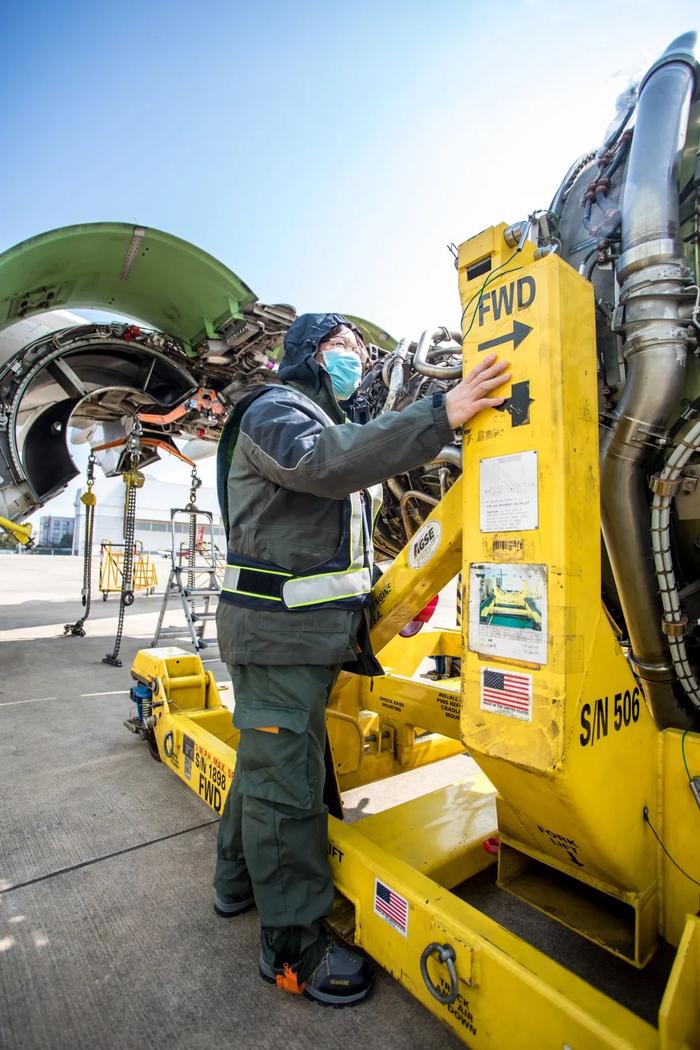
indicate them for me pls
(88, 500)
(195, 483)
(133, 480)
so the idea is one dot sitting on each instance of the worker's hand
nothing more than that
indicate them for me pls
(472, 394)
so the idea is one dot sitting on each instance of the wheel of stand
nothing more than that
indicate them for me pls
(105, 596)
(153, 746)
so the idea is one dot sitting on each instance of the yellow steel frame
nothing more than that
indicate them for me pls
(21, 533)
(112, 567)
(575, 773)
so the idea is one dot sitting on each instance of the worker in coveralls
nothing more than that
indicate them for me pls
(299, 487)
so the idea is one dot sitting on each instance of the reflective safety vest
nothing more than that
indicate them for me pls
(343, 581)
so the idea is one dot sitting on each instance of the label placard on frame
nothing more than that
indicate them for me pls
(508, 610)
(508, 493)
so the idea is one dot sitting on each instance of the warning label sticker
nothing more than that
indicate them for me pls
(508, 493)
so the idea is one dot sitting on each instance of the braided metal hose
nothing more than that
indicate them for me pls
(674, 623)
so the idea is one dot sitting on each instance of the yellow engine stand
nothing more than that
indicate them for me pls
(22, 533)
(553, 716)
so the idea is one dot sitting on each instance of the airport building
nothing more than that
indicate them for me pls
(53, 529)
(153, 506)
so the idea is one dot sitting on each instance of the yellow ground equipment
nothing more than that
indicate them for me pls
(22, 533)
(510, 608)
(588, 936)
(112, 569)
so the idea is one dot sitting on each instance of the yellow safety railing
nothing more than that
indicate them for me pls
(112, 568)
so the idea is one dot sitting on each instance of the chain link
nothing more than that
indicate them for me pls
(133, 480)
(88, 500)
(195, 483)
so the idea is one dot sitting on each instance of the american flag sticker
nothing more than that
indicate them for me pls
(391, 907)
(506, 693)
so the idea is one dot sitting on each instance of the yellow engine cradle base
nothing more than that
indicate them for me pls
(507, 994)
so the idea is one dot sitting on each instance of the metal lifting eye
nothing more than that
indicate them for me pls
(445, 954)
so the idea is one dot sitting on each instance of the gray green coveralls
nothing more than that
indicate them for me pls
(292, 471)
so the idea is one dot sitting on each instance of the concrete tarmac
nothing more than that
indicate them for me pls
(107, 934)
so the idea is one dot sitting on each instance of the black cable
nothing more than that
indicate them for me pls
(487, 279)
(479, 295)
(685, 761)
(658, 839)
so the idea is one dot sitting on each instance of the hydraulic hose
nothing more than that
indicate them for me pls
(674, 622)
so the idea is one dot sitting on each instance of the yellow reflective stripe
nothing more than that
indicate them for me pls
(326, 587)
(251, 594)
(232, 576)
(330, 575)
(249, 568)
(377, 495)
(322, 601)
(357, 547)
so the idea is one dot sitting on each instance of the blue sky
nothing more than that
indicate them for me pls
(327, 152)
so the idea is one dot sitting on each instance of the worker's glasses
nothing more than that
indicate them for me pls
(347, 344)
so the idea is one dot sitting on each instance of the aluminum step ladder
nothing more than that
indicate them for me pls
(196, 573)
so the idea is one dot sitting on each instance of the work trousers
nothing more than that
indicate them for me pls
(273, 834)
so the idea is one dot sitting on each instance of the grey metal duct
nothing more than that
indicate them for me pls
(652, 274)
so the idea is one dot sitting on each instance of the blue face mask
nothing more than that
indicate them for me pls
(345, 370)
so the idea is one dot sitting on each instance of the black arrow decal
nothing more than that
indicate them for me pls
(520, 331)
(518, 404)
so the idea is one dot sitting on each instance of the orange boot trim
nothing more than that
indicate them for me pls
(288, 982)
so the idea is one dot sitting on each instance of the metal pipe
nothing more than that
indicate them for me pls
(404, 508)
(425, 350)
(451, 454)
(395, 487)
(652, 274)
(395, 369)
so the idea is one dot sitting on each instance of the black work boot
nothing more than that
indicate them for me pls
(341, 978)
(227, 907)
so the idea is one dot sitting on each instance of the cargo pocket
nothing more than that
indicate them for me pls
(284, 767)
(274, 765)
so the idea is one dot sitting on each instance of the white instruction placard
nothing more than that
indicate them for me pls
(508, 611)
(508, 496)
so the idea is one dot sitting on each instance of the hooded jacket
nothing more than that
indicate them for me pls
(288, 477)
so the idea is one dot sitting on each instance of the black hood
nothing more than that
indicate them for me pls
(301, 343)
